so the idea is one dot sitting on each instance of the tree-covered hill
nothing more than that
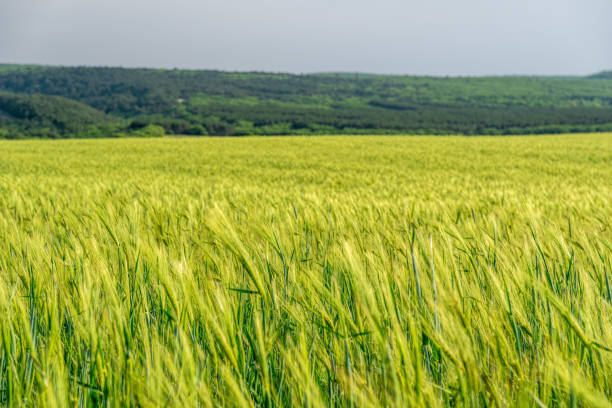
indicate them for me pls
(602, 75)
(50, 116)
(225, 103)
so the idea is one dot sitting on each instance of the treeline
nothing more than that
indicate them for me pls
(94, 102)
(268, 118)
(48, 116)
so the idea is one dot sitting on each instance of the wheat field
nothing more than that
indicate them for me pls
(314, 272)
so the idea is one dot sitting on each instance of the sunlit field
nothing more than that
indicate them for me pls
(312, 271)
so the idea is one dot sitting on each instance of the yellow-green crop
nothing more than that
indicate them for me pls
(317, 272)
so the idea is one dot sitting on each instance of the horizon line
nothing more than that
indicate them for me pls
(272, 72)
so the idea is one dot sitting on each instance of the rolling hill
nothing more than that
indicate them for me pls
(69, 100)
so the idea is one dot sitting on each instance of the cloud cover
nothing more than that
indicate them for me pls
(436, 37)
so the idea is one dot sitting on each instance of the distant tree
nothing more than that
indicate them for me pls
(196, 130)
(150, 131)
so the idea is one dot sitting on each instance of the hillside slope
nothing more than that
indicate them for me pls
(224, 103)
(49, 116)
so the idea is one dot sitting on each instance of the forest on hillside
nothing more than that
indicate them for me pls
(55, 102)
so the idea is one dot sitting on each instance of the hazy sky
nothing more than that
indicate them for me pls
(439, 37)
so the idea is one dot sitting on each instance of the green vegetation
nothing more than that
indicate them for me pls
(51, 117)
(6, 68)
(602, 75)
(316, 272)
(224, 103)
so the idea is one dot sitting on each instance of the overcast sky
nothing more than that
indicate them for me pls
(437, 37)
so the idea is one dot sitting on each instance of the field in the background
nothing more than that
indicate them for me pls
(332, 271)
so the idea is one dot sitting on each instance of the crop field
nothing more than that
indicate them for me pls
(302, 271)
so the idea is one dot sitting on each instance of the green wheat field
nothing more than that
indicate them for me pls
(312, 272)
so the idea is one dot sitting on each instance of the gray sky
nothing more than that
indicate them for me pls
(438, 37)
